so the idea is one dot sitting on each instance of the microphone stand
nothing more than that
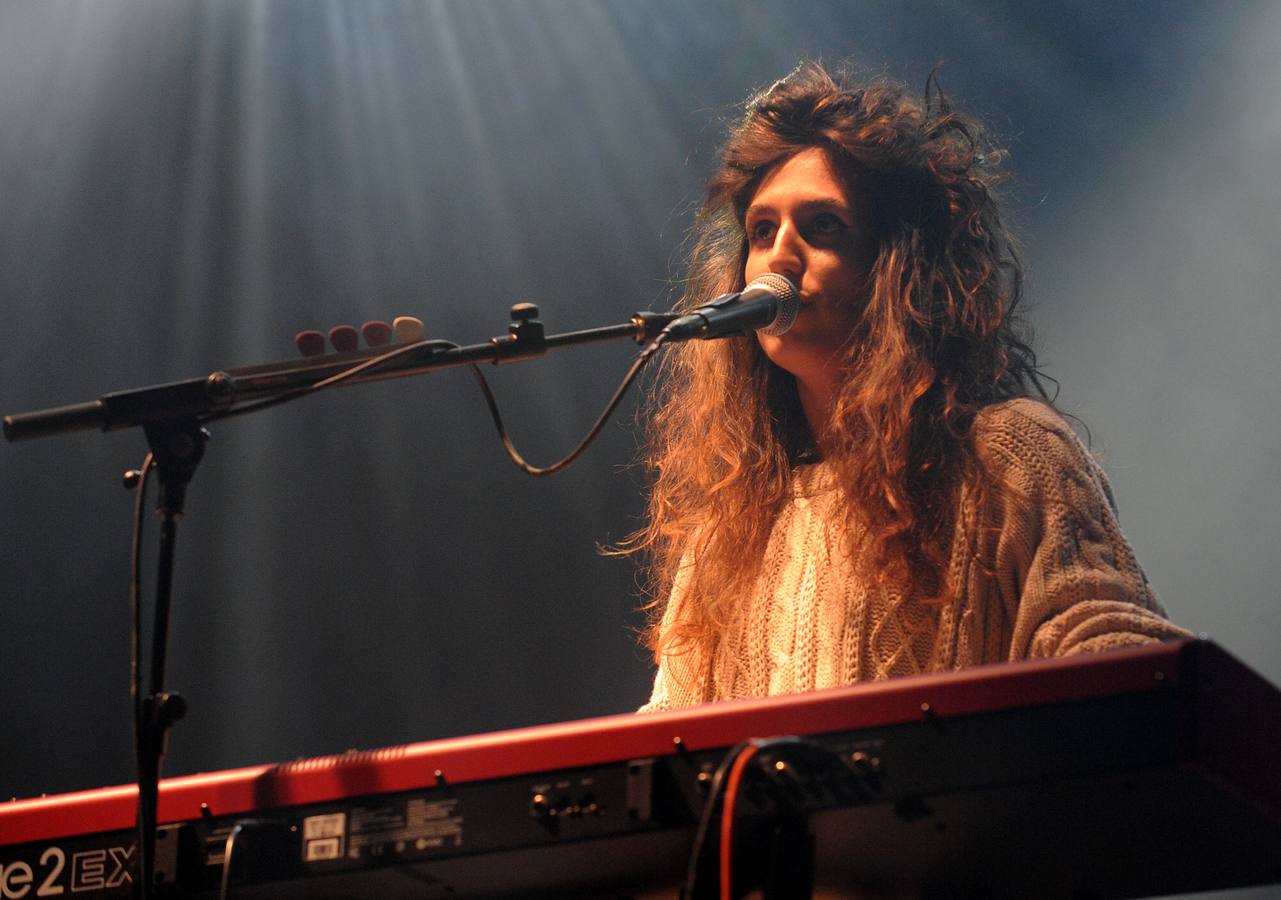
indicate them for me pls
(214, 395)
(172, 414)
(177, 446)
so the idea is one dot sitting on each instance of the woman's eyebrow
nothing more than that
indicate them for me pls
(824, 204)
(817, 204)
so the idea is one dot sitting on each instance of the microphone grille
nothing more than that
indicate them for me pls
(789, 302)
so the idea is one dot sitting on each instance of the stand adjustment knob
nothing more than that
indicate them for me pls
(170, 707)
(524, 312)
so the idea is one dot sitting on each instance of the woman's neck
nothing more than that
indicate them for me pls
(817, 394)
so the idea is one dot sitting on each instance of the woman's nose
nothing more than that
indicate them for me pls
(787, 255)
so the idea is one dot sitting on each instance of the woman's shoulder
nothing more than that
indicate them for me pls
(1021, 415)
(1028, 434)
(1023, 420)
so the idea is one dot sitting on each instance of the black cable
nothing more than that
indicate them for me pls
(638, 364)
(706, 819)
(235, 840)
(641, 360)
(135, 607)
(224, 889)
(771, 751)
(342, 376)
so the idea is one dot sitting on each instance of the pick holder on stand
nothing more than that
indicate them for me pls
(173, 417)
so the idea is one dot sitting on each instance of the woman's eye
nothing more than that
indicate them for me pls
(760, 231)
(827, 223)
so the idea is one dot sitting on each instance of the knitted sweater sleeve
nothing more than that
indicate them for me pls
(1066, 575)
(681, 679)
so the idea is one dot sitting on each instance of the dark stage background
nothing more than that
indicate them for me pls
(184, 185)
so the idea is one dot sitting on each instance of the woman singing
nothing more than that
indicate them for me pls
(885, 489)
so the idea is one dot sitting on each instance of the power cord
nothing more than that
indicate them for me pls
(800, 775)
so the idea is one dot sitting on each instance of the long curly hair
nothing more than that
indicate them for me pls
(938, 340)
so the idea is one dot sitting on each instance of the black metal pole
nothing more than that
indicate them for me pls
(203, 397)
(178, 448)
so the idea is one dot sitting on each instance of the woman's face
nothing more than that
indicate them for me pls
(803, 223)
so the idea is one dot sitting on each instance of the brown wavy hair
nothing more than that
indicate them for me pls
(938, 340)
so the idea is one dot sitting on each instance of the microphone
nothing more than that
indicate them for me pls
(769, 304)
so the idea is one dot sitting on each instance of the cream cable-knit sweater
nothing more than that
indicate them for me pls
(1062, 580)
